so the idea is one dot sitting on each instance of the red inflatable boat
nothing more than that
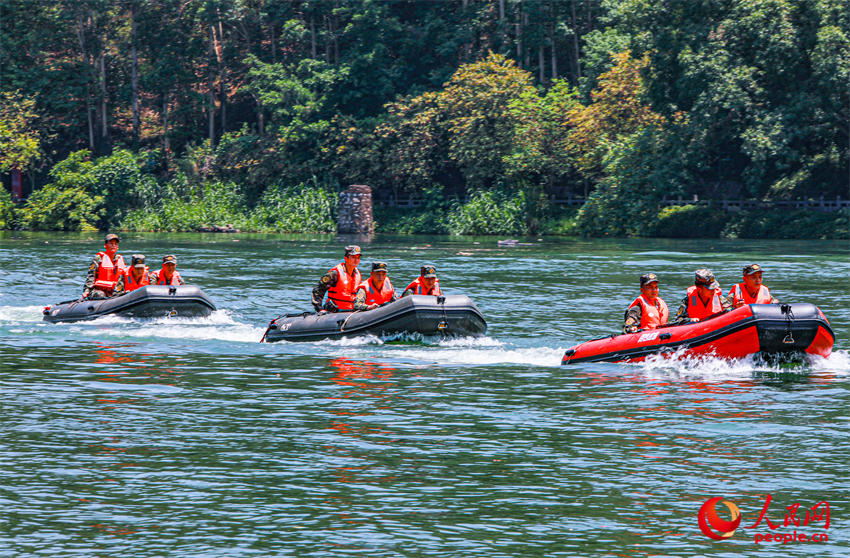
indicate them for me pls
(752, 328)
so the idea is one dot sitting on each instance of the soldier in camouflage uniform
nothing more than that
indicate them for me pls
(329, 281)
(110, 245)
(656, 308)
(377, 277)
(705, 288)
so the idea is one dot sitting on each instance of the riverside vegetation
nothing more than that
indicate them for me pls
(168, 116)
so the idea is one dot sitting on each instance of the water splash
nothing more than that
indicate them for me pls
(20, 314)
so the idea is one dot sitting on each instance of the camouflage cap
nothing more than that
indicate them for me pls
(379, 266)
(648, 278)
(111, 236)
(170, 258)
(353, 250)
(138, 260)
(705, 278)
(752, 268)
(428, 271)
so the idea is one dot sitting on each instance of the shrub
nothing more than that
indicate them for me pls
(114, 179)
(7, 210)
(215, 203)
(489, 212)
(431, 218)
(64, 209)
(798, 224)
(305, 208)
(689, 221)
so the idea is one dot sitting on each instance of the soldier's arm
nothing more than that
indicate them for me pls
(682, 313)
(327, 281)
(360, 300)
(725, 303)
(180, 280)
(394, 297)
(632, 319)
(92, 274)
(407, 292)
(119, 286)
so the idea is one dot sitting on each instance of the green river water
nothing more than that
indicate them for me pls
(180, 437)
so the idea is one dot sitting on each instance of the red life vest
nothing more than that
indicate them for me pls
(419, 287)
(739, 292)
(160, 278)
(651, 316)
(108, 272)
(696, 308)
(374, 296)
(343, 292)
(130, 284)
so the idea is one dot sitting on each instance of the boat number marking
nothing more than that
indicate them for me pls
(648, 337)
(284, 327)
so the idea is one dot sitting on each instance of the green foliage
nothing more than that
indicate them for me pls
(489, 212)
(215, 203)
(65, 209)
(562, 223)
(306, 208)
(789, 224)
(689, 221)
(19, 141)
(637, 177)
(431, 218)
(7, 210)
(115, 179)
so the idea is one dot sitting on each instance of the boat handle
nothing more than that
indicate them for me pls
(665, 336)
(172, 290)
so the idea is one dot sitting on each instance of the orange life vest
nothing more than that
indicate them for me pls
(651, 316)
(696, 308)
(343, 292)
(419, 287)
(739, 292)
(130, 284)
(160, 278)
(374, 296)
(108, 272)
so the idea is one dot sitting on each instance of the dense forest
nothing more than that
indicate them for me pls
(173, 114)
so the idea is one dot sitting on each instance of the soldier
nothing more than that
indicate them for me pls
(168, 275)
(137, 275)
(648, 311)
(427, 283)
(751, 291)
(339, 282)
(376, 290)
(106, 268)
(703, 299)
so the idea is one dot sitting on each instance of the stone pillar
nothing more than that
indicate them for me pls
(355, 210)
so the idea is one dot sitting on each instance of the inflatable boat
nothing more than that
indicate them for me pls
(153, 301)
(450, 315)
(752, 328)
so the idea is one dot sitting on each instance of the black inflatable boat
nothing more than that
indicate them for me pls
(450, 315)
(153, 301)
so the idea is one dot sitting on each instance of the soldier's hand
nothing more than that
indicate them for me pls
(331, 305)
(322, 312)
(372, 306)
(738, 304)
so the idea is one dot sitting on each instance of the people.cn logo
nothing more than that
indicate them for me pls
(711, 524)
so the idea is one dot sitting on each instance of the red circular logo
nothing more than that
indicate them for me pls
(711, 524)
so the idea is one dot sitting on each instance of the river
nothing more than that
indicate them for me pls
(182, 437)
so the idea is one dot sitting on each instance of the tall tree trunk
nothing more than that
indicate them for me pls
(554, 60)
(84, 55)
(541, 63)
(575, 40)
(273, 44)
(166, 143)
(222, 70)
(134, 76)
(312, 36)
(104, 133)
(211, 88)
(527, 50)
